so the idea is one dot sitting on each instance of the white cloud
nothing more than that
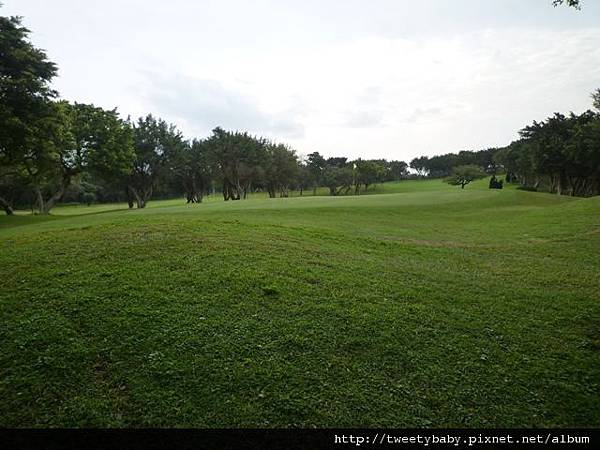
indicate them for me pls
(200, 105)
(388, 79)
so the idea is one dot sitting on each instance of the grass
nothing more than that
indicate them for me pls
(426, 306)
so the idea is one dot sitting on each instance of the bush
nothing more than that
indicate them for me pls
(88, 198)
(495, 183)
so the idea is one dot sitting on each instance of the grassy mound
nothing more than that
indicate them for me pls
(426, 306)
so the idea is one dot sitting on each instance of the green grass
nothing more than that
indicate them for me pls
(426, 306)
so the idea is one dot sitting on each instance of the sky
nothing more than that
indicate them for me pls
(390, 79)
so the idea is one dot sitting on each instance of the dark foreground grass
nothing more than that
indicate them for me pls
(433, 307)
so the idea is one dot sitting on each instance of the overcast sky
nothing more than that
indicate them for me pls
(370, 78)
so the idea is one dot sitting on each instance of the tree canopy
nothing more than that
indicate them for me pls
(463, 175)
(29, 121)
(572, 3)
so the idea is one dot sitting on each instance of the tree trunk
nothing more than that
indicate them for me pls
(5, 205)
(44, 207)
(129, 197)
(225, 190)
(53, 200)
(559, 185)
(40, 199)
(139, 198)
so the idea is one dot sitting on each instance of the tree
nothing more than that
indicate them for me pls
(572, 3)
(596, 99)
(582, 153)
(420, 165)
(367, 173)
(194, 171)
(50, 163)
(281, 169)
(103, 142)
(397, 170)
(495, 183)
(304, 178)
(77, 139)
(441, 165)
(238, 158)
(337, 177)
(316, 165)
(156, 144)
(463, 175)
(25, 102)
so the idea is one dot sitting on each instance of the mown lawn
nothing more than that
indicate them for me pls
(426, 306)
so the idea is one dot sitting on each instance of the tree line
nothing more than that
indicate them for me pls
(52, 150)
(560, 155)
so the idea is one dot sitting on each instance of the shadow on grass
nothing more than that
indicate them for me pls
(18, 220)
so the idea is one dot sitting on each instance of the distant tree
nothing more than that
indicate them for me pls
(77, 139)
(582, 155)
(103, 144)
(195, 171)
(281, 169)
(304, 179)
(463, 175)
(238, 158)
(495, 183)
(89, 198)
(441, 165)
(420, 165)
(367, 173)
(156, 145)
(26, 107)
(398, 170)
(572, 3)
(338, 175)
(596, 99)
(316, 165)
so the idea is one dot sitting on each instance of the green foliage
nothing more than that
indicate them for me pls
(337, 177)
(194, 169)
(596, 99)
(463, 175)
(562, 152)
(156, 144)
(442, 165)
(367, 173)
(495, 183)
(237, 158)
(88, 198)
(572, 3)
(396, 170)
(281, 169)
(28, 128)
(103, 142)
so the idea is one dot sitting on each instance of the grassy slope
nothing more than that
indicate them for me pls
(430, 306)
